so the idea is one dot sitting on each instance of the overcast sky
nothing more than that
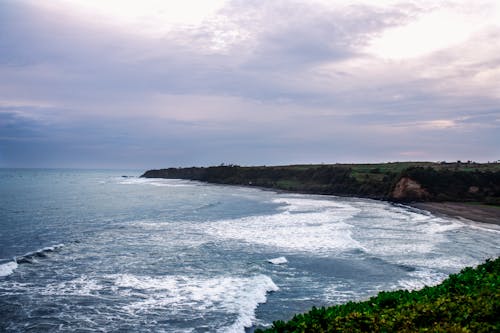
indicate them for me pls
(147, 84)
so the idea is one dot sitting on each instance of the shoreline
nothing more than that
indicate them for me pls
(470, 211)
(475, 212)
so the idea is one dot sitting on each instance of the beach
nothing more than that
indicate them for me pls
(470, 211)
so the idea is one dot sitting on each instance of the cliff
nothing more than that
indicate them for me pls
(402, 182)
(409, 189)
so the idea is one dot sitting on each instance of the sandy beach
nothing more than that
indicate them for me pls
(475, 212)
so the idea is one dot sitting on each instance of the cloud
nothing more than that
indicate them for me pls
(254, 82)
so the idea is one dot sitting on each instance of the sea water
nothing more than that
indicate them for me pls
(106, 251)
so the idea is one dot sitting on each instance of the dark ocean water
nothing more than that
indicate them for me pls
(96, 251)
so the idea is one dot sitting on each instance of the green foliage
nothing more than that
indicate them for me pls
(455, 185)
(465, 302)
(443, 181)
(322, 179)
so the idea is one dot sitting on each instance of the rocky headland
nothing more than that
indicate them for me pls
(472, 186)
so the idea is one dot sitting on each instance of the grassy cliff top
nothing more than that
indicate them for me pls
(398, 181)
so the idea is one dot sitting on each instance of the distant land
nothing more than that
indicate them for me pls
(469, 189)
(399, 181)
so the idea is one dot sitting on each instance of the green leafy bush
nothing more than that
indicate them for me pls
(465, 302)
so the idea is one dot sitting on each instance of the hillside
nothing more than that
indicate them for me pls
(400, 181)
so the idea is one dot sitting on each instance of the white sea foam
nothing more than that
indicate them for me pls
(237, 297)
(80, 286)
(344, 291)
(51, 248)
(402, 235)
(278, 261)
(44, 250)
(421, 278)
(157, 182)
(341, 292)
(490, 227)
(149, 224)
(301, 225)
(300, 203)
(7, 268)
(233, 295)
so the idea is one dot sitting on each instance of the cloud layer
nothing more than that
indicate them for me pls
(258, 82)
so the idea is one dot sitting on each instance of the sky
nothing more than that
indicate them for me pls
(150, 84)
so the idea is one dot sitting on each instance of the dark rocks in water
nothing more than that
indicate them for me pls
(41, 254)
(24, 260)
(29, 258)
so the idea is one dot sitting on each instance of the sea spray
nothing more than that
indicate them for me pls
(7, 268)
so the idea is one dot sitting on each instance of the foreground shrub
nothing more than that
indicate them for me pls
(465, 302)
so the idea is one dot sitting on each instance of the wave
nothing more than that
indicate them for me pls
(7, 268)
(300, 225)
(156, 182)
(346, 290)
(407, 236)
(209, 205)
(338, 226)
(30, 257)
(277, 261)
(421, 278)
(239, 296)
(489, 227)
(228, 302)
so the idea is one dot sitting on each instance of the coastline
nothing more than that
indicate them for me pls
(475, 212)
(470, 211)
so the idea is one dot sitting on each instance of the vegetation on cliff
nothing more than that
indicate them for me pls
(465, 302)
(404, 181)
(458, 185)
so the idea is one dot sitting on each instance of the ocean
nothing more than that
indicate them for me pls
(107, 251)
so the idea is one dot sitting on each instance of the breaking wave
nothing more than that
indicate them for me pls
(233, 295)
(31, 257)
(156, 182)
(309, 225)
(7, 268)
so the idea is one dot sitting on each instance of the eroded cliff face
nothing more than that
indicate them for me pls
(409, 189)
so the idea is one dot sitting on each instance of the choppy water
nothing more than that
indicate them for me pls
(99, 252)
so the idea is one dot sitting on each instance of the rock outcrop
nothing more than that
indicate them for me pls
(407, 189)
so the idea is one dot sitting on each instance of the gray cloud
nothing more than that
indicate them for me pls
(264, 83)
